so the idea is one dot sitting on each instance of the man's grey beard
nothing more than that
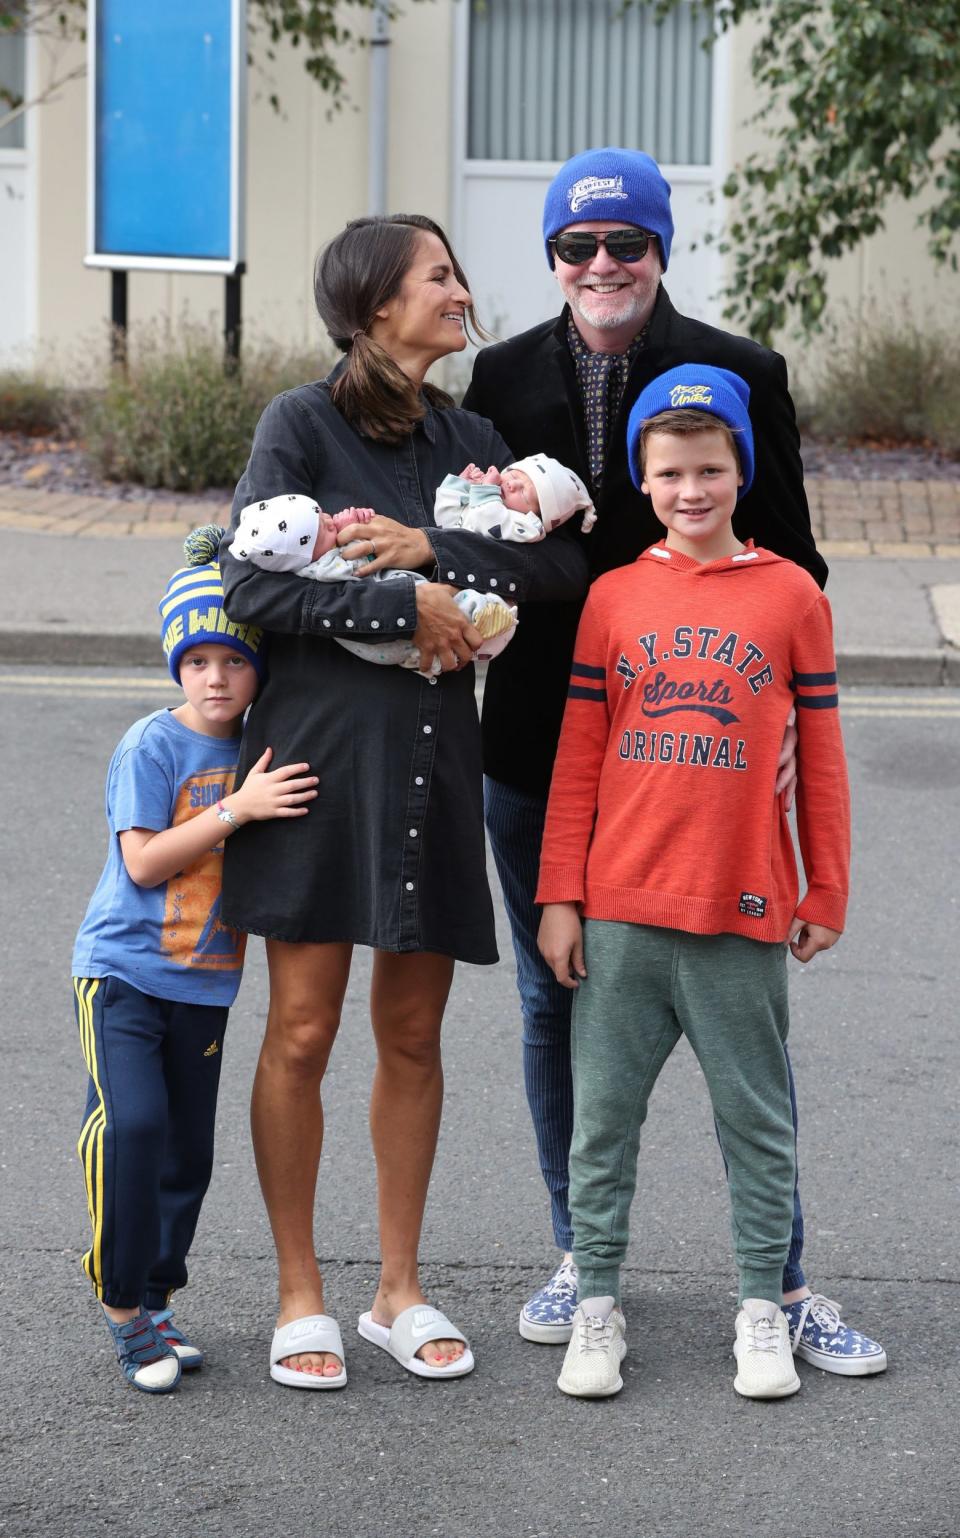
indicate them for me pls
(610, 321)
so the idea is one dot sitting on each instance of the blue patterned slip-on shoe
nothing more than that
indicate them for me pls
(191, 1357)
(820, 1337)
(144, 1356)
(547, 1317)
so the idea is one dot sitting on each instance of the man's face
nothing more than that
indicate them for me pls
(607, 295)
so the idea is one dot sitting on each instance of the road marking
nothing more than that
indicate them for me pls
(66, 684)
(903, 705)
(946, 714)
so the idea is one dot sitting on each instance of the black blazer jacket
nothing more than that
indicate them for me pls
(528, 388)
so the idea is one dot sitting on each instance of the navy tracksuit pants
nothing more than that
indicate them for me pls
(147, 1139)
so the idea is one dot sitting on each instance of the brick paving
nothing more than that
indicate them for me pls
(893, 520)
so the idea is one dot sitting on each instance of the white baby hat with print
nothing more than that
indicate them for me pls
(280, 532)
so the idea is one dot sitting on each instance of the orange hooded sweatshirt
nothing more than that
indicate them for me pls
(662, 807)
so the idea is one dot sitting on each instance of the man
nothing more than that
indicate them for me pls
(565, 388)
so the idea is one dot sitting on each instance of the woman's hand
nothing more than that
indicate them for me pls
(560, 942)
(443, 630)
(389, 543)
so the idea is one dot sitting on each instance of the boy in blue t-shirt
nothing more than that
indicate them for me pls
(155, 971)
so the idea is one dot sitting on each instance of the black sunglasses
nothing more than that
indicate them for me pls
(577, 246)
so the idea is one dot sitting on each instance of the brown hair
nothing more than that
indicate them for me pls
(684, 422)
(360, 270)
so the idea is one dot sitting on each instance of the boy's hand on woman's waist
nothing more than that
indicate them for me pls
(267, 793)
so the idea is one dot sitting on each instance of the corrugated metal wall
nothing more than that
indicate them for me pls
(12, 76)
(550, 77)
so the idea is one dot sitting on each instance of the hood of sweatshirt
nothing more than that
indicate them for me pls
(674, 560)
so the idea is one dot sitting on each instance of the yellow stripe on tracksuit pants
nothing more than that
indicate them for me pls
(90, 1143)
(146, 1145)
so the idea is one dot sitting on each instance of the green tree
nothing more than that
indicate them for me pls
(859, 102)
(319, 28)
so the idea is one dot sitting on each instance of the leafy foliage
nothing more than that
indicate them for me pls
(859, 102)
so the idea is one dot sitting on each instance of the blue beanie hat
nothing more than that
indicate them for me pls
(610, 184)
(716, 391)
(191, 610)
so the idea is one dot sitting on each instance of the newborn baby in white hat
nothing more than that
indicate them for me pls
(292, 533)
(522, 503)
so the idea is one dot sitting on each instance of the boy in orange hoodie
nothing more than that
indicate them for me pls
(667, 872)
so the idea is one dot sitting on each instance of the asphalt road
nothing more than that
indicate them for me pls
(502, 1452)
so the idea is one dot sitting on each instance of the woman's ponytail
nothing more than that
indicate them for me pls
(361, 270)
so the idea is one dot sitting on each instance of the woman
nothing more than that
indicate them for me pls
(393, 857)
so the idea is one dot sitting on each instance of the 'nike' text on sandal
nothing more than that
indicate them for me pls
(412, 1330)
(315, 1332)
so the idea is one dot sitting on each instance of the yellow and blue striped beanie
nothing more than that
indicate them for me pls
(191, 610)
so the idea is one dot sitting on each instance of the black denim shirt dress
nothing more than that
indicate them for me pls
(391, 853)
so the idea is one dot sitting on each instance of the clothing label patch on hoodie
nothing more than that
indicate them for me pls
(752, 905)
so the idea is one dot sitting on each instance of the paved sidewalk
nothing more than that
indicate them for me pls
(895, 520)
(83, 575)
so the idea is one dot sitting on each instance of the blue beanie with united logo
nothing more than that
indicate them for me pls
(698, 387)
(191, 609)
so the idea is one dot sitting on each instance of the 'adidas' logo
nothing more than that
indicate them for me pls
(212, 1050)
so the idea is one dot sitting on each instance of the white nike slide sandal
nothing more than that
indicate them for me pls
(411, 1330)
(315, 1332)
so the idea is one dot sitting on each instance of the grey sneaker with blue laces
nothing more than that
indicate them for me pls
(819, 1336)
(547, 1317)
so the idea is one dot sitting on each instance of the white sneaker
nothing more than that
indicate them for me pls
(598, 1344)
(765, 1367)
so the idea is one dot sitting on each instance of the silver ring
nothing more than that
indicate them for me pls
(373, 548)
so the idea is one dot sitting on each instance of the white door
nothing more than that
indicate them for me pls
(541, 80)
(16, 320)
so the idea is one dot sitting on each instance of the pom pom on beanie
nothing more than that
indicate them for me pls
(191, 610)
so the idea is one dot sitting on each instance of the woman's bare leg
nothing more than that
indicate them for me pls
(407, 998)
(307, 985)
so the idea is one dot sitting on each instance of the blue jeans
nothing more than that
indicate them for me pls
(515, 821)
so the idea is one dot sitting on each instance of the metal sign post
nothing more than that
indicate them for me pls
(167, 136)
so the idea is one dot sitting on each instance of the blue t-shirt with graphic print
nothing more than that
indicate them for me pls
(168, 940)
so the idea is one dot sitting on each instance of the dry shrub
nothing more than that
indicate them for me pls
(176, 417)
(894, 380)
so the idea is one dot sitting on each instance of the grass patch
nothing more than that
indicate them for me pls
(891, 380)
(29, 403)
(176, 418)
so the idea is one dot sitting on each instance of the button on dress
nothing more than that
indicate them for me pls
(391, 853)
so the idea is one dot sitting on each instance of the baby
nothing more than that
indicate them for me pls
(524, 502)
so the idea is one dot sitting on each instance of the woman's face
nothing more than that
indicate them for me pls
(425, 320)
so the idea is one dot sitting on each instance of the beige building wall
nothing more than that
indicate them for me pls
(887, 273)
(307, 174)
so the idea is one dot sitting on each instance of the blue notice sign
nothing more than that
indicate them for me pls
(165, 130)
